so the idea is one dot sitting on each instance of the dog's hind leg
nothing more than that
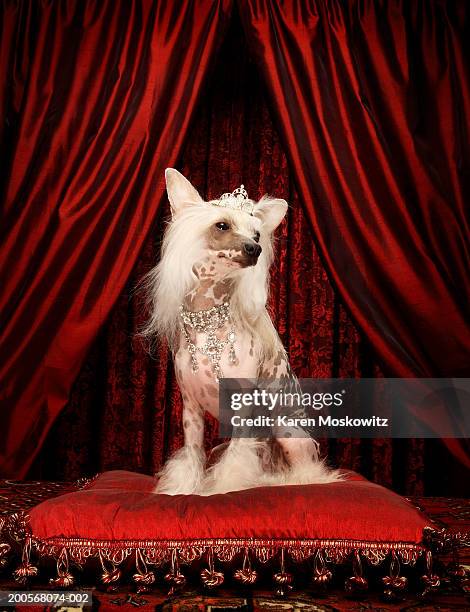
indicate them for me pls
(183, 472)
(305, 465)
(300, 450)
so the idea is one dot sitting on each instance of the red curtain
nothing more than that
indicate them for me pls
(95, 100)
(372, 100)
(125, 408)
(86, 177)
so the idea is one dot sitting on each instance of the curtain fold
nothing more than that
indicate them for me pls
(96, 99)
(125, 408)
(372, 100)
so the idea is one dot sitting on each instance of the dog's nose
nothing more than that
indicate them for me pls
(252, 249)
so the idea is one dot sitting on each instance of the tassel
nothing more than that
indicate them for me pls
(283, 579)
(357, 584)
(143, 578)
(64, 578)
(64, 581)
(109, 577)
(321, 574)
(26, 570)
(4, 550)
(210, 578)
(246, 575)
(174, 577)
(394, 583)
(431, 581)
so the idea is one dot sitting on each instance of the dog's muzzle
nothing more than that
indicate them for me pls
(252, 249)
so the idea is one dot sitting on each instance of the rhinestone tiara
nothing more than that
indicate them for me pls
(237, 200)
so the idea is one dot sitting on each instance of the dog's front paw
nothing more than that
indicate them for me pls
(182, 473)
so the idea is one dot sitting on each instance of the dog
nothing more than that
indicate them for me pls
(207, 297)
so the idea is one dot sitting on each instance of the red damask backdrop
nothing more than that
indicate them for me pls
(124, 411)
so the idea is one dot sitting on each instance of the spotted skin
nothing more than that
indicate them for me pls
(232, 244)
(200, 390)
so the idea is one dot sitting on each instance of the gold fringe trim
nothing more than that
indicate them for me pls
(112, 553)
(161, 551)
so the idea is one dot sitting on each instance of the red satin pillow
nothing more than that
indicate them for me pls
(119, 505)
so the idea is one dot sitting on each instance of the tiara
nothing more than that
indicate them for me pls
(237, 200)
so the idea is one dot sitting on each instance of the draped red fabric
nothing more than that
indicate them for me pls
(125, 408)
(372, 100)
(96, 98)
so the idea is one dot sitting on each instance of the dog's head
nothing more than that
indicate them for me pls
(219, 242)
(231, 238)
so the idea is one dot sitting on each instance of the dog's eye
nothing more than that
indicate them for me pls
(222, 226)
(256, 237)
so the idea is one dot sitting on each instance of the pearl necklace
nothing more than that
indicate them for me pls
(208, 322)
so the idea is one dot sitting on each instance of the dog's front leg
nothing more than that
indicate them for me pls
(183, 472)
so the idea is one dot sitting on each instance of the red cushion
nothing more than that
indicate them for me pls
(119, 505)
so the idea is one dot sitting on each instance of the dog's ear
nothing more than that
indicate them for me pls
(271, 211)
(180, 191)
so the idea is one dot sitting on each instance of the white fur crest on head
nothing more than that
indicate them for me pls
(184, 246)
